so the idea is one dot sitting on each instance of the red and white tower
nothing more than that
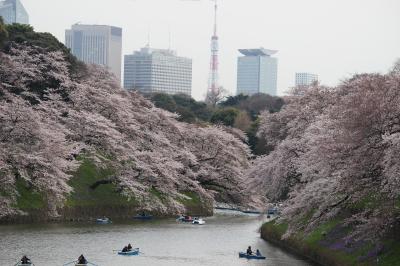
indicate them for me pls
(213, 79)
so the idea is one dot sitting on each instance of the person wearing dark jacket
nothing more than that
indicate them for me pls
(249, 251)
(82, 260)
(25, 260)
(129, 247)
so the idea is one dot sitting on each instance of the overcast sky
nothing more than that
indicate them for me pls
(332, 38)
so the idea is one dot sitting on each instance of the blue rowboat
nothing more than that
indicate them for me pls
(132, 252)
(249, 257)
(143, 217)
(252, 212)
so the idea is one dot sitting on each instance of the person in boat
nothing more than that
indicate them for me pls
(258, 253)
(82, 260)
(129, 247)
(249, 251)
(125, 249)
(25, 260)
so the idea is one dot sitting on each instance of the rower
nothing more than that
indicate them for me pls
(25, 260)
(125, 249)
(82, 260)
(129, 247)
(258, 253)
(249, 251)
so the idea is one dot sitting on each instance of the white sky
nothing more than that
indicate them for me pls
(332, 38)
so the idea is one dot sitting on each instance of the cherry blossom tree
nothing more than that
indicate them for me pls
(335, 150)
(48, 118)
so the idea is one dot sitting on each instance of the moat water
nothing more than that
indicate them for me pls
(162, 242)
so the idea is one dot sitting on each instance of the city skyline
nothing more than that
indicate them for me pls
(332, 49)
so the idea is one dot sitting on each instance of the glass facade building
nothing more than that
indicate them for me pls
(158, 70)
(305, 79)
(97, 44)
(13, 11)
(257, 72)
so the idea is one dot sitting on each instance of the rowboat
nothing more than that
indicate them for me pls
(104, 220)
(186, 219)
(253, 256)
(28, 262)
(143, 217)
(198, 221)
(132, 252)
(251, 212)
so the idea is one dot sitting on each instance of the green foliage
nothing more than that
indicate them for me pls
(103, 195)
(254, 104)
(392, 256)
(192, 200)
(200, 109)
(186, 115)
(317, 244)
(3, 32)
(274, 228)
(156, 193)
(257, 145)
(318, 234)
(234, 112)
(225, 116)
(189, 110)
(233, 101)
(371, 201)
(28, 199)
(164, 101)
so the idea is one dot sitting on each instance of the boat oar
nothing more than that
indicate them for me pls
(70, 262)
(92, 263)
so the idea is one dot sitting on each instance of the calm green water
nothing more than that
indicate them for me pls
(163, 242)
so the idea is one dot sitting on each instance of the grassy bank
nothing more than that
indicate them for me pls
(96, 193)
(325, 245)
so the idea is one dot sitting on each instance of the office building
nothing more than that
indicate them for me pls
(257, 72)
(305, 79)
(157, 70)
(97, 44)
(13, 11)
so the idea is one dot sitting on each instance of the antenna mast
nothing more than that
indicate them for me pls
(213, 79)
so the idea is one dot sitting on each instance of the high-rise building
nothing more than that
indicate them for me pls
(13, 11)
(158, 70)
(257, 72)
(305, 79)
(96, 44)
